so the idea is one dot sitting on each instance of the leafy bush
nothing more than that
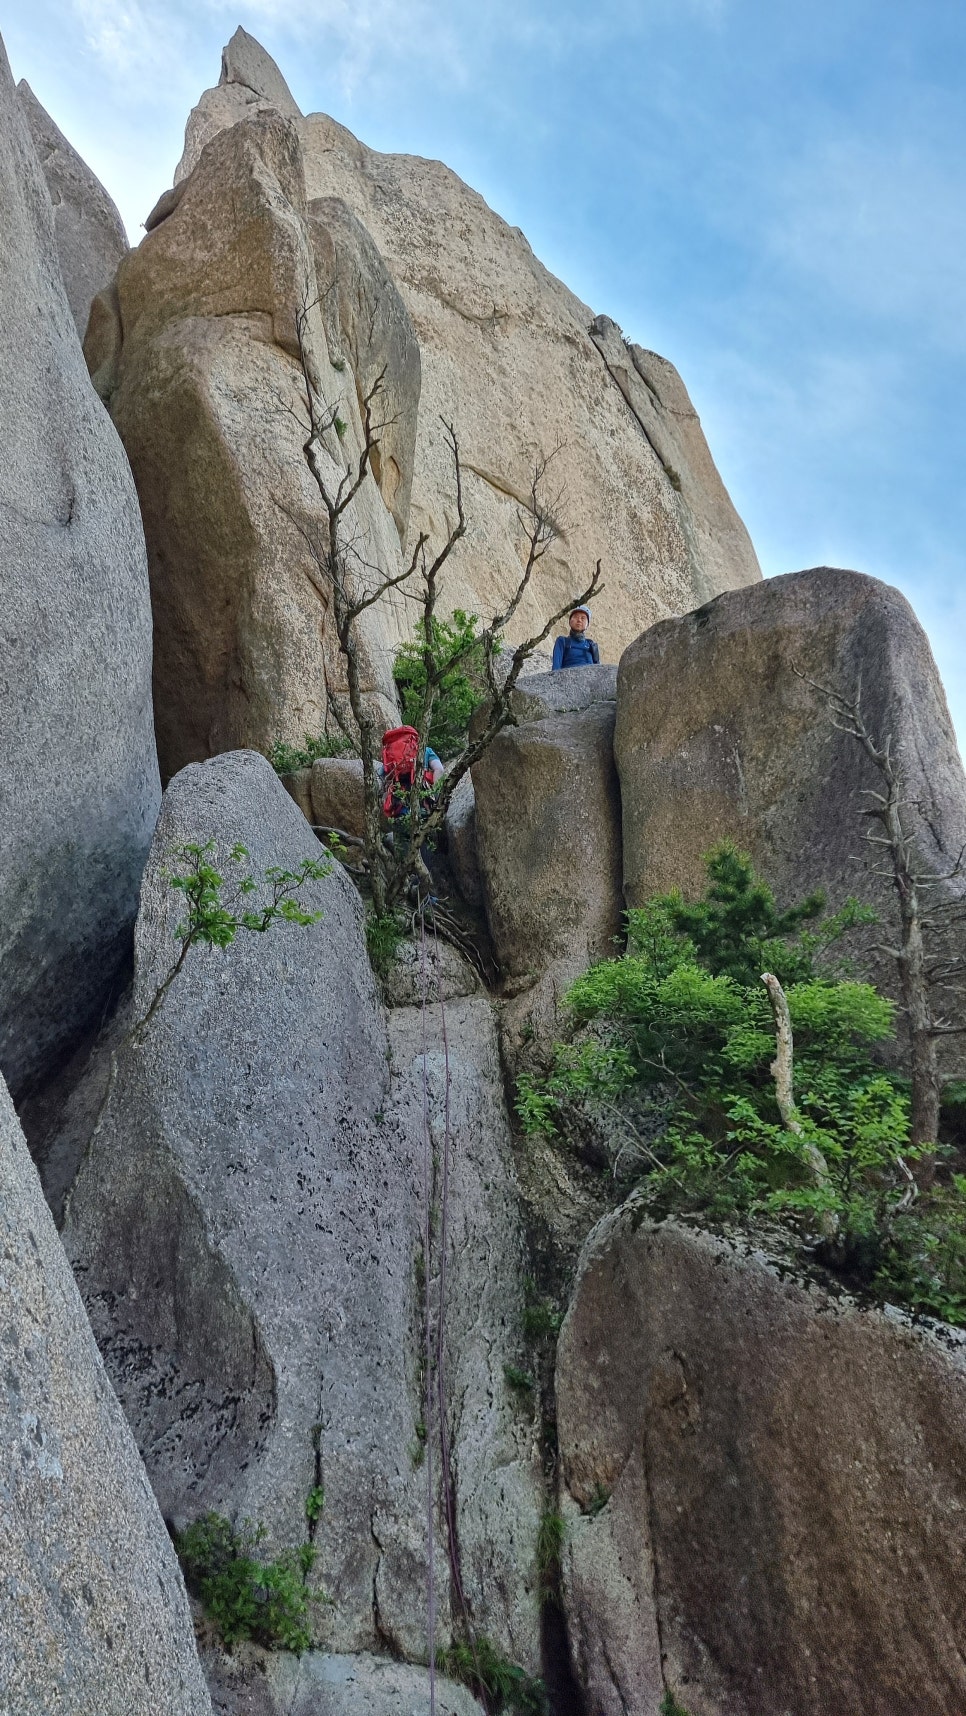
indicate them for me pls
(246, 1598)
(384, 932)
(286, 758)
(457, 650)
(500, 1683)
(670, 1066)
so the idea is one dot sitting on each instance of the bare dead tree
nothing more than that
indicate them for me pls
(930, 980)
(782, 1071)
(352, 585)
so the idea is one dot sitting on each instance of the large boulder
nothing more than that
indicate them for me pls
(247, 1227)
(251, 1682)
(520, 367)
(548, 833)
(196, 351)
(78, 773)
(88, 228)
(95, 1615)
(764, 1485)
(721, 735)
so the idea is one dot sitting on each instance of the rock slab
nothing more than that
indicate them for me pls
(79, 786)
(90, 234)
(720, 735)
(246, 1228)
(258, 1683)
(764, 1487)
(94, 1611)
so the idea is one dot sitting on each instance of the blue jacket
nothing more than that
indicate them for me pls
(575, 650)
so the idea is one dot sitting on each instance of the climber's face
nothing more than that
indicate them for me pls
(578, 621)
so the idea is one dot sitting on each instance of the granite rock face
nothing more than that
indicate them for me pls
(519, 365)
(246, 1229)
(90, 234)
(78, 773)
(261, 1683)
(548, 832)
(720, 735)
(197, 355)
(95, 1615)
(760, 1483)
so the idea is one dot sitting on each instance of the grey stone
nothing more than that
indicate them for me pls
(760, 1482)
(94, 1612)
(245, 1228)
(511, 357)
(262, 1683)
(78, 774)
(537, 696)
(718, 735)
(250, 83)
(89, 230)
(548, 831)
(428, 973)
(461, 841)
(656, 397)
(337, 794)
(367, 319)
(198, 358)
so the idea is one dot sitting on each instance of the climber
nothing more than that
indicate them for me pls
(400, 746)
(577, 650)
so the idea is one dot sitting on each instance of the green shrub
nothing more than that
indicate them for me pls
(247, 1598)
(669, 1065)
(500, 1683)
(519, 1380)
(286, 758)
(461, 689)
(671, 1707)
(550, 1541)
(383, 935)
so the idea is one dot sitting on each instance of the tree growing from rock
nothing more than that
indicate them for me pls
(932, 981)
(352, 584)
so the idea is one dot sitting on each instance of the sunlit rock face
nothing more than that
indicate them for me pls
(521, 368)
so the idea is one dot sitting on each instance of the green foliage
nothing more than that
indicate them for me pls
(539, 1319)
(245, 1597)
(215, 917)
(384, 932)
(670, 1065)
(285, 758)
(500, 1683)
(340, 426)
(458, 654)
(519, 1380)
(314, 1503)
(670, 1705)
(599, 1497)
(551, 1538)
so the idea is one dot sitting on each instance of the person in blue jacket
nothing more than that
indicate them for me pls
(577, 650)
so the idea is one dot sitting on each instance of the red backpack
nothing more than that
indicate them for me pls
(400, 757)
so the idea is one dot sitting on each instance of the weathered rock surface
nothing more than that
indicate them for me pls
(95, 1615)
(428, 973)
(462, 849)
(261, 1683)
(764, 1487)
(338, 799)
(246, 1228)
(250, 83)
(90, 234)
(78, 774)
(208, 394)
(719, 736)
(548, 832)
(516, 361)
(365, 317)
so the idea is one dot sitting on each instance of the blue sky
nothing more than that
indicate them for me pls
(770, 195)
